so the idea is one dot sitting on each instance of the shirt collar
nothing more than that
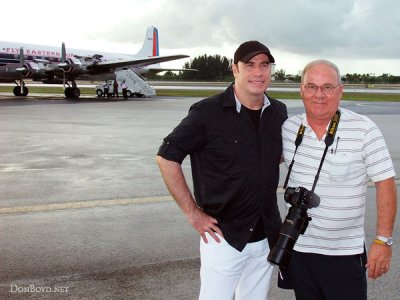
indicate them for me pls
(305, 122)
(239, 105)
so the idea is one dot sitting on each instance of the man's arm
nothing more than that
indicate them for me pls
(386, 200)
(177, 186)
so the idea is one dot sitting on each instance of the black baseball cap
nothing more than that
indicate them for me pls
(249, 49)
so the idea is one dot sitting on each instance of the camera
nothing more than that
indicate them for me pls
(295, 223)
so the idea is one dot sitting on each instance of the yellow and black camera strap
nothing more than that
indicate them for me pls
(329, 138)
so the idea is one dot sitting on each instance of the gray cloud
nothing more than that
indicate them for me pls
(359, 35)
(358, 28)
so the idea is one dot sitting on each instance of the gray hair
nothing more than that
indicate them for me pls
(320, 62)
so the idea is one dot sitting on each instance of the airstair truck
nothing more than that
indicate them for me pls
(137, 85)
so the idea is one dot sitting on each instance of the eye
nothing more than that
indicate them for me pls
(328, 88)
(249, 64)
(311, 87)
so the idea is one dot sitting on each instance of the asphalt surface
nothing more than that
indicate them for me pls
(84, 213)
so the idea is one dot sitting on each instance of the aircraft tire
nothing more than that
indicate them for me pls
(25, 91)
(68, 92)
(99, 93)
(129, 93)
(17, 91)
(75, 93)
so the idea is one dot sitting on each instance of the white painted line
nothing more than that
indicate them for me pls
(99, 203)
(82, 204)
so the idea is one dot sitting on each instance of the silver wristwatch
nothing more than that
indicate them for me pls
(387, 240)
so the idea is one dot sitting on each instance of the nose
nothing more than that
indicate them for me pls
(258, 70)
(319, 92)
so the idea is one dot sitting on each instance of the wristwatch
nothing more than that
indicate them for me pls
(383, 240)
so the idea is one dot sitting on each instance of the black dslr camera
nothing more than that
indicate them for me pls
(296, 223)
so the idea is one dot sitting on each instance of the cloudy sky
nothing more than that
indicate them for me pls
(360, 36)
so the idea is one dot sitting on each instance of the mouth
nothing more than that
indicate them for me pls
(259, 82)
(319, 104)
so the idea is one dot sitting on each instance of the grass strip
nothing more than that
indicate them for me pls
(284, 95)
(387, 97)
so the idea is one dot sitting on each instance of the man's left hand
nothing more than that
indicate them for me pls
(378, 260)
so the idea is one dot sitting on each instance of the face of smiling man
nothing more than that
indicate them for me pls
(321, 92)
(252, 79)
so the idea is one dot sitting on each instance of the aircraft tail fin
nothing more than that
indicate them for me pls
(150, 45)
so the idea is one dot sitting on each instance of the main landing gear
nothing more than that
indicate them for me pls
(20, 92)
(72, 92)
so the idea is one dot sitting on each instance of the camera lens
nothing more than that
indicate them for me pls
(295, 223)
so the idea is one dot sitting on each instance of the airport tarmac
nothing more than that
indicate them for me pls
(84, 213)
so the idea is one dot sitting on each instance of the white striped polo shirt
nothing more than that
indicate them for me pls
(358, 153)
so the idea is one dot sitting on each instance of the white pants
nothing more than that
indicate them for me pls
(228, 274)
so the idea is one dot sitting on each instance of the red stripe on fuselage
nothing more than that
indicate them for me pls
(154, 43)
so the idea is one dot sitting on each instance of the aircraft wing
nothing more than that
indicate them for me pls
(156, 70)
(135, 63)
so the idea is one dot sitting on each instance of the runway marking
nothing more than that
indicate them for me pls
(82, 204)
(371, 105)
(99, 203)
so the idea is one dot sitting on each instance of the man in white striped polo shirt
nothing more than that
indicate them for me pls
(327, 260)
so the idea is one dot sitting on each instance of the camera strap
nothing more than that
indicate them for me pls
(329, 138)
(297, 142)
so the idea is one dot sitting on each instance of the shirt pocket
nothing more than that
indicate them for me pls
(343, 166)
(223, 146)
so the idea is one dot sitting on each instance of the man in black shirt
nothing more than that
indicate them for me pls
(235, 144)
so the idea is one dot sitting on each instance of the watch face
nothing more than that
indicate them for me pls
(389, 241)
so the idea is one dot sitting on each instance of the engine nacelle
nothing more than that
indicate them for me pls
(29, 69)
(74, 66)
(35, 70)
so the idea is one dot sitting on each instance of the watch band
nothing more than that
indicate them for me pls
(379, 242)
(383, 240)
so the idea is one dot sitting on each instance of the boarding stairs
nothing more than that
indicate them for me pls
(136, 83)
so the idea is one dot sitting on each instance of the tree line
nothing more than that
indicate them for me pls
(208, 68)
(280, 76)
(218, 68)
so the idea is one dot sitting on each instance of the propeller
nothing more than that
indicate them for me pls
(63, 59)
(21, 68)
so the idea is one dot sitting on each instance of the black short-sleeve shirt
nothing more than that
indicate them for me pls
(235, 167)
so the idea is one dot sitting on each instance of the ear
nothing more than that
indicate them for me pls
(340, 91)
(301, 91)
(235, 69)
